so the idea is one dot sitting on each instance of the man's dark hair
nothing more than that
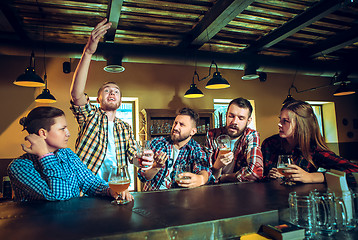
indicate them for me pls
(191, 113)
(242, 103)
(40, 117)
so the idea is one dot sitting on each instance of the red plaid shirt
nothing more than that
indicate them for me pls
(273, 146)
(248, 164)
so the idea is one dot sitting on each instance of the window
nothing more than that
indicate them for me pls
(326, 117)
(128, 112)
(220, 107)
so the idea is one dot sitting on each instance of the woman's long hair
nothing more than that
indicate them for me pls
(307, 129)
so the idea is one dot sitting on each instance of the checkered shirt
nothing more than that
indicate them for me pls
(58, 176)
(92, 140)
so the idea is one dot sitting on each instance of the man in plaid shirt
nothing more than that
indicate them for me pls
(179, 159)
(103, 140)
(244, 161)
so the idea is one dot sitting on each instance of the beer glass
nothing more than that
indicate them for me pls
(181, 168)
(143, 146)
(326, 210)
(223, 143)
(282, 162)
(303, 212)
(345, 211)
(119, 181)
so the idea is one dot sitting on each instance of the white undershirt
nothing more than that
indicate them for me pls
(110, 159)
(171, 162)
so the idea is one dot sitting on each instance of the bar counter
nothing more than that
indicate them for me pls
(209, 212)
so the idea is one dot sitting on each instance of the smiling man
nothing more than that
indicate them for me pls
(103, 139)
(182, 161)
(244, 161)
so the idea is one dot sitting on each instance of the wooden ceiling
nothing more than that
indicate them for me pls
(309, 35)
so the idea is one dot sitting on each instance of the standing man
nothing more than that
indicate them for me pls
(103, 139)
(244, 162)
(179, 155)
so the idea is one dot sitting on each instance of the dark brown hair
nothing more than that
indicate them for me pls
(242, 103)
(40, 117)
(191, 113)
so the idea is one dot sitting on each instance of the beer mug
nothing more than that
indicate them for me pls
(302, 210)
(346, 219)
(325, 206)
(354, 193)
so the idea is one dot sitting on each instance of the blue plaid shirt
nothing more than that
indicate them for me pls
(58, 176)
(191, 154)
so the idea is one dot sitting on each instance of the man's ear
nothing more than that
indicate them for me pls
(193, 131)
(97, 100)
(249, 121)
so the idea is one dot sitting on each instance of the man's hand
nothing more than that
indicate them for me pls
(123, 195)
(223, 160)
(38, 145)
(97, 33)
(159, 159)
(191, 180)
(145, 161)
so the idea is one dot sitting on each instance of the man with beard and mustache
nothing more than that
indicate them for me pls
(103, 139)
(244, 161)
(179, 155)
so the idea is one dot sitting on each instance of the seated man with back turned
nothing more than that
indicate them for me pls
(178, 153)
(244, 162)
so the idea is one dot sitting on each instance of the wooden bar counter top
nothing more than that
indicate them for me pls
(224, 211)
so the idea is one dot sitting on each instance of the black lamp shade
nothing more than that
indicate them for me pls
(217, 82)
(250, 74)
(29, 79)
(45, 97)
(193, 92)
(114, 65)
(343, 90)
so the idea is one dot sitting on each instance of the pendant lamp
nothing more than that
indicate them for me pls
(30, 78)
(193, 91)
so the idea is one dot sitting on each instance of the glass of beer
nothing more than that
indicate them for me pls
(143, 146)
(119, 181)
(181, 168)
(223, 143)
(283, 161)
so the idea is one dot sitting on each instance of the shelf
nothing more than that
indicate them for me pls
(154, 119)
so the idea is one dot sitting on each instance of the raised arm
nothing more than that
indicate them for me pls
(80, 77)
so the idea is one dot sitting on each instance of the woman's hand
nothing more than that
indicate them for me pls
(38, 145)
(300, 175)
(273, 173)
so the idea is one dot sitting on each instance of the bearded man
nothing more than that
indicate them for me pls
(103, 139)
(180, 161)
(244, 161)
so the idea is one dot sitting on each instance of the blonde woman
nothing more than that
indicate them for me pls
(299, 135)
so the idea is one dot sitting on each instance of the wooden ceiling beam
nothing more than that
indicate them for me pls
(14, 21)
(113, 15)
(311, 15)
(214, 20)
(333, 43)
